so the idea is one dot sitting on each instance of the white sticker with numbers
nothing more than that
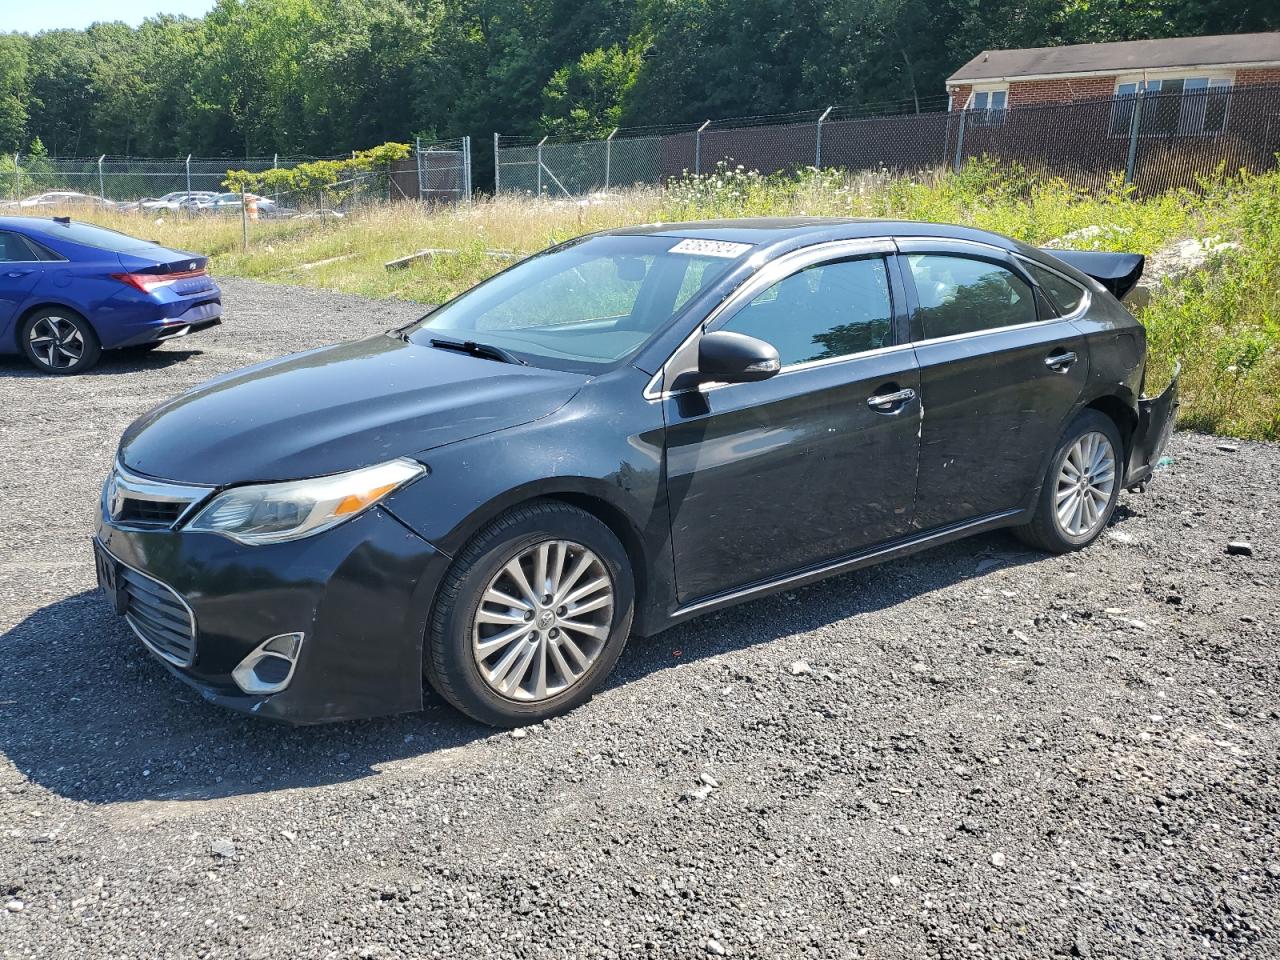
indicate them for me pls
(711, 248)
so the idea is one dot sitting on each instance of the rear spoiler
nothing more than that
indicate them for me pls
(1118, 272)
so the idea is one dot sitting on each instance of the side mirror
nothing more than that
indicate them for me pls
(727, 357)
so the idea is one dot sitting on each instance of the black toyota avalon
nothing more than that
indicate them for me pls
(610, 437)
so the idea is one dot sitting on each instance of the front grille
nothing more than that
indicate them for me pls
(148, 513)
(142, 503)
(159, 617)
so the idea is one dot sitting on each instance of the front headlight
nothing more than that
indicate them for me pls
(275, 512)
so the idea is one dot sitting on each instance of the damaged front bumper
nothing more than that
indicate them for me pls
(1156, 416)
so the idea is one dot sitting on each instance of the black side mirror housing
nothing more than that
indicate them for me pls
(726, 357)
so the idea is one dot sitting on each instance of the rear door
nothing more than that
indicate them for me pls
(1000, 373)
(818, 461)
(19, 270)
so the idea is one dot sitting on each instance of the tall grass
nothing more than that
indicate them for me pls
(1223, 323)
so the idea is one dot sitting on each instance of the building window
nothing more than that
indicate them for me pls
(1172, 106)
(989, 106)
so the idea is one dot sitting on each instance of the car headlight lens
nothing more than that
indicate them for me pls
(276, 512)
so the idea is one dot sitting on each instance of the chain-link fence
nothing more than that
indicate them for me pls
(124, 179)
(1153, 140)
(436, 172)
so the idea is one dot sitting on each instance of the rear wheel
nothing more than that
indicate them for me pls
(59, 341)
(532, 617)
(1079, 492)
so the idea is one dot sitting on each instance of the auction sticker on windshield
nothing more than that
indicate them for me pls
(711, 248)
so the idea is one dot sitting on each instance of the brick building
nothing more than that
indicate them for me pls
(1202, 71)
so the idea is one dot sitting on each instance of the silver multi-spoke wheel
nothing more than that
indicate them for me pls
(56, 342)
(1085, 484)
(543, 620)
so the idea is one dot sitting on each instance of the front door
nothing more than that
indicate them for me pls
(813, 464)
(999, 375)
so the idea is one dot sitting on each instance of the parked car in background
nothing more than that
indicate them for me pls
(70, 290)
(63, 198)
(230, 203)
(626, 431)
(170, 201)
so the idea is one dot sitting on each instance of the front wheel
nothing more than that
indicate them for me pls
(532, 617)
(59, 341)
(1079, 492)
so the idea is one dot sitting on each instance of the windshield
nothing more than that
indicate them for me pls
(586, 305)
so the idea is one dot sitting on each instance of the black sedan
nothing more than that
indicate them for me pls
(612, 436)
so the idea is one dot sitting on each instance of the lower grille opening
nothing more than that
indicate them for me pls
(159, 617)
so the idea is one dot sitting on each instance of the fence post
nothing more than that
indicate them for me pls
(1135, 121)
(417, 163)
(697, 148)
(466, 172)
(188, 176)
(244, 221)
(817, 150)
(608, 157)
(102, 184)
(960, 141)
(497, 167)
(540, 143)
(17, 176)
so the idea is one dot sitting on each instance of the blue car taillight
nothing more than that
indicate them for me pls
(150, 282)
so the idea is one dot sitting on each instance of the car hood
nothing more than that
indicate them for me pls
(335, 409)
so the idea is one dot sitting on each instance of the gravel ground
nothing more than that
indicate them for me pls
(979, 751)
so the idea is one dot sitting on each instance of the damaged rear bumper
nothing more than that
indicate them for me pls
(1156, 416)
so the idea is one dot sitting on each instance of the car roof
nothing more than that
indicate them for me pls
(768, 230)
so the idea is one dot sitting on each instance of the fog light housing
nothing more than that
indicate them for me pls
(269, 668)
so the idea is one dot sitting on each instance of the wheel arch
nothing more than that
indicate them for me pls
(35, 308)
(1121, 414)
(576, 492)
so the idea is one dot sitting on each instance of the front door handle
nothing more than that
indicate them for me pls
(888, 402)
(1061, 362)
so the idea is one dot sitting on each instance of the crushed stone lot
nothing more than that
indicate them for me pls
(978, 751)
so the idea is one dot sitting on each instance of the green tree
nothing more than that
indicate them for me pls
(585, 98)
(14, 92)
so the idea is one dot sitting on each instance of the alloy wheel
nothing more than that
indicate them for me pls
(56, 342)
(543, 620)
(1085, 483)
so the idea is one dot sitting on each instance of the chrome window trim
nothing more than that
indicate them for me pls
(191, 616)
(987, 331)
(972, 334)
(769, 274)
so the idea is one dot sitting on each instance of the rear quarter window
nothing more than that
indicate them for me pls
(1062, 293)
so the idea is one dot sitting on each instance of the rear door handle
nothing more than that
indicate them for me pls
(15, 274)
(1061, 362)
(888, 402)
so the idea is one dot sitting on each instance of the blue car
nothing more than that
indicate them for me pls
(69, 290)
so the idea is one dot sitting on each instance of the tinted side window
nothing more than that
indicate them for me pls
(963, 295)
(1064, 294)
(14, 249)
(827, 310)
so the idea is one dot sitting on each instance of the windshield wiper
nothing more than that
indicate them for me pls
(485, 350)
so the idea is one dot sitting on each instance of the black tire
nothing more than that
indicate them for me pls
(73, 335)
(1045, 531)
(449, 662)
